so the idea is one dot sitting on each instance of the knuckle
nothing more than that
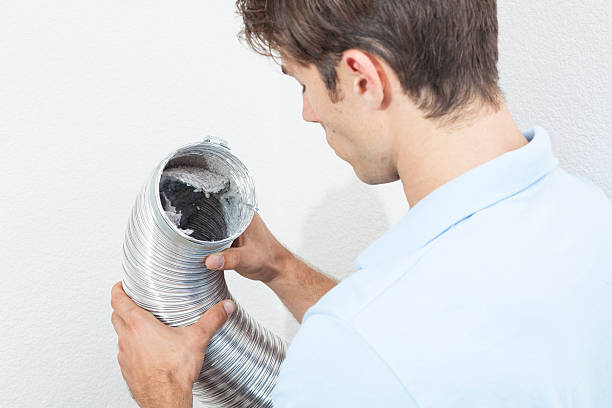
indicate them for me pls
(118, 305)
(217, 315)
(116, 321)
(203, 331)
(121, 344)
(115, 295)
(232, 260)
(132, 317)
(211, 321)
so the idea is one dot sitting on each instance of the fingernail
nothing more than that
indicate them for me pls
(229, 307)
(215, 261)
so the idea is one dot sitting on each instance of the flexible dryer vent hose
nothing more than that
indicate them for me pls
(197, 202)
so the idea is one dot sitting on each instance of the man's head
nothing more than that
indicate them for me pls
(359, 60)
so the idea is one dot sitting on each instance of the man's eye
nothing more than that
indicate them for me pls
(303, 88)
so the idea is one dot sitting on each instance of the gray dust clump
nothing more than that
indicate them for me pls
(201, 179)
(196, 200)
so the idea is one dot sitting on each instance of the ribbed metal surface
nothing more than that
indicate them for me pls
(165, 274)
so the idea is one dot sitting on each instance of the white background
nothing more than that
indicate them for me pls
(94, 94)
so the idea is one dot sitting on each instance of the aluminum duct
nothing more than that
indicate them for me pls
(197, 202)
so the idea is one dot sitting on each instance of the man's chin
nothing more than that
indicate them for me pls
(364, 177)
(374, 180)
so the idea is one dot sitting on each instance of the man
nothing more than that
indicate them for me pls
(493, 291)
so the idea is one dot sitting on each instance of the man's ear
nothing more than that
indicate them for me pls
(367, 77)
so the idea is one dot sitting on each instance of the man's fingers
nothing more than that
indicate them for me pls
(117, 322)
(120, 302)
(228, 259)
(212, 320)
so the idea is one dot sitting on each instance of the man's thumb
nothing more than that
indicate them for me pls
(228, 259)
(214, 318)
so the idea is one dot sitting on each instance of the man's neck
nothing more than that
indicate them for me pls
(431, 156)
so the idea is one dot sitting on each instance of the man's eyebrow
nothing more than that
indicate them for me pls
(285, 70)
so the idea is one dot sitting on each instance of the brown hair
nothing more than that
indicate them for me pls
(444, 52)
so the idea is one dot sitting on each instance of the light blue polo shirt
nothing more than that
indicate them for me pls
(495, 290)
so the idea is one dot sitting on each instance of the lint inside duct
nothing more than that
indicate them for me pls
(197, 196)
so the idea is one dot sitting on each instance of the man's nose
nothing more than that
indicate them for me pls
(308, 113)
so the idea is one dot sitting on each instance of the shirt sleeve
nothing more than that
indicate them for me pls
(330, 365)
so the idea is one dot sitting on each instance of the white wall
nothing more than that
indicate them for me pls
(94, 94)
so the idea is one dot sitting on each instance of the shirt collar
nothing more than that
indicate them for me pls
(460, 198)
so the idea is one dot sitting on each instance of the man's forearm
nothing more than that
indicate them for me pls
(298, 285)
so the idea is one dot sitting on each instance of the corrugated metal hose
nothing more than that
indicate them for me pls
(197, 202)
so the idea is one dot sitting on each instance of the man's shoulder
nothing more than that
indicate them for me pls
(361, 290)
(555, 228)
(569, 192)
(490, 299)
(544, 252)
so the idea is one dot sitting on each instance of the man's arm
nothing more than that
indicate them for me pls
(300, 286)
(257, 255)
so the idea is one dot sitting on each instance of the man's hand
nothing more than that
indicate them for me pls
(256, 254)
(160, 363)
